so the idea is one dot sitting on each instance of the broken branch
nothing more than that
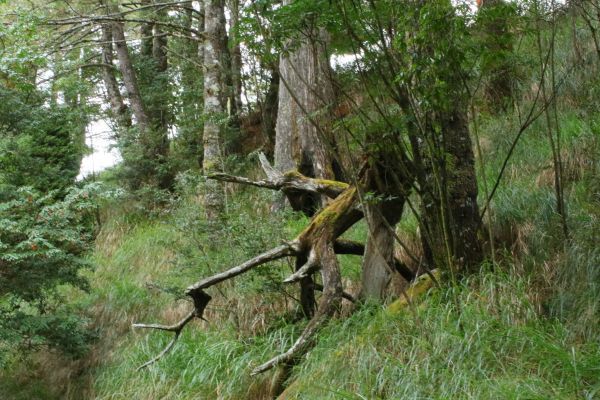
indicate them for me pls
(176, 328)
(278, 252)
(288, 182)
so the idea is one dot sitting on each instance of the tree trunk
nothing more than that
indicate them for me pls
(213, 104)
(390, 180)
(190, 122)
(302, 132)
(159, 112)
(236, 55)
(129, 77)
(450, 214)
(146, 30)
(119, 110)
(269, 112)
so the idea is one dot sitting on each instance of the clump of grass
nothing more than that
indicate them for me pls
(481, 339)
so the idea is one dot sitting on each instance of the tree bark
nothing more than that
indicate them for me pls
(383, 213)
(213, 104)
(450, 214)
(302, 131)
(192, 82)
(269, 112)
(147, 31)
(120, 111)
(129, 77)
(301, 138)
(236, 55)
(156, 89)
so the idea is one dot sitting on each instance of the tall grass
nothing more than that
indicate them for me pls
(483, 339)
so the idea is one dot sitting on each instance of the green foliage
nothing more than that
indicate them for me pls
(20, 57)
(527, 329)
(40, 146)
(46, 224)
(433, 43)
(42, 247)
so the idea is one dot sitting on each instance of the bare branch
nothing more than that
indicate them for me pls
(287, 249)
(290, 181)
(312, 265)
(271, 172)
(176, 328)
(171, 328)
(219, 176)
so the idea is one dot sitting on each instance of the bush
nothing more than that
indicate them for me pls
(42, 247)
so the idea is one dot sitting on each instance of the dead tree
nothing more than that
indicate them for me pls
(317, 245)
(302, 138)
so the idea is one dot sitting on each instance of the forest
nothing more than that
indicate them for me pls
(299, 199)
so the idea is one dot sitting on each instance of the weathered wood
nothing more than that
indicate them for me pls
(176, 328)
(291, 181)
(278, 252)
(314, 248)
(302, 133)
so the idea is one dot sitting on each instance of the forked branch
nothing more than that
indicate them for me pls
(176, 328)
(201, 298)
(286, 182)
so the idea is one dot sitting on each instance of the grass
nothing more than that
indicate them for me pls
(483, 339)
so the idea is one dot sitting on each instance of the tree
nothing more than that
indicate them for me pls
(46, 225)
(149, 161)
(303, 132)
(188, 117)
(120, 111)
(215, 52)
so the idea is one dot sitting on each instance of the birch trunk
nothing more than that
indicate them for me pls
(213, 104)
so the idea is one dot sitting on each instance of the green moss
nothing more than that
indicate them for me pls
(328, 182)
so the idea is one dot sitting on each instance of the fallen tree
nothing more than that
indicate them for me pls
(315, 249)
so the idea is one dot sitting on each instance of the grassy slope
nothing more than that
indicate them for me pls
(529, 329)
